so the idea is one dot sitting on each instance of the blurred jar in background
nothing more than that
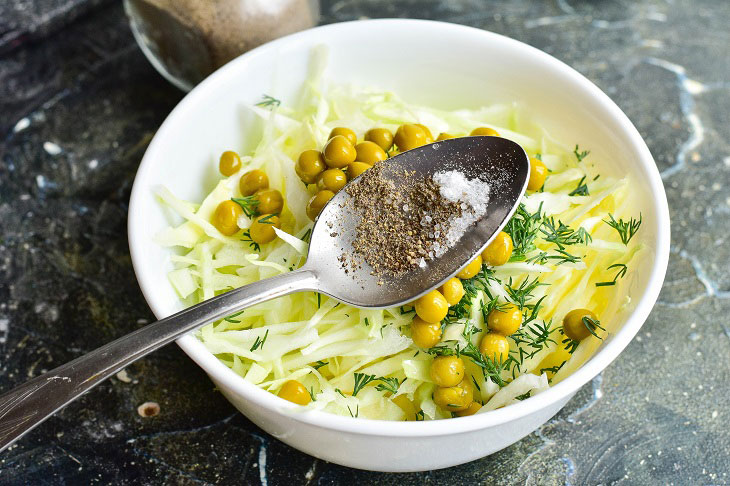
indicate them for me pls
(186, 40)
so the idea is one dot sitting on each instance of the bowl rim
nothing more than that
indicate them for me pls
(224, 376)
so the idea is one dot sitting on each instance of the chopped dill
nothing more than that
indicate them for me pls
(267, 219)
(491, 368)
(361, 379)
(420, 416)
(580, 155)
(480, 281)
(535, 337)
(524, 396)
(340, 392)
(311, 393)
(523, 293)
(249, 205)
(570, 345)
(319, 364)
(367, 322)
(403, 311)
(563, 256)
(247, 237)
(259, 343)
(558, 258)
(319, 300)
(494, 303)
(523, 228)
(389, 384)
(552, 369)
(581, 190)
(622, 271)
(592, 325)
(625, 229)
(563, 235)
(307, 235)
(269, 102)
(357, 411)
(232, 318)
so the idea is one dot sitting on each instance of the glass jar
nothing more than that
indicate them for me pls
(186, 40)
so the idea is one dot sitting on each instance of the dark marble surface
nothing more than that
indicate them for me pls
(78, 105)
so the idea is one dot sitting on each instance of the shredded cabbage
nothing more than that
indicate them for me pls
(323, 344)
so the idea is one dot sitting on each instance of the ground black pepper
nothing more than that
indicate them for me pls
(402, 226)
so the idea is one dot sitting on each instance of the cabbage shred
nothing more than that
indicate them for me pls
(569, 253)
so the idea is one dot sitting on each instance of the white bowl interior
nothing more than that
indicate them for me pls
(436, 64)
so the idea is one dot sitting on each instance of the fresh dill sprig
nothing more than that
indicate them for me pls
(494, 303)
(269, 102)
(581, 190)
(232, 318)
(552, 369)
(471, 286)
(247, 237)
(563, 235)
(570, 345)
(625, 229)
(340, 392)
(580, 155)
(249, 204)
(561, 257)
(267, 219)
(389, 384)
(357, 411)
(491, 368)
(622, 271)
(523, 293)
(259, 343)
(361, 379)
(592, 324)
(530, 311)
(469, 331)
(540, 258)
(523, 228)
(307, 235)
(319, 364)
(534, 338)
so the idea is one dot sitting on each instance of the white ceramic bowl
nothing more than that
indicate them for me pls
(438, 64)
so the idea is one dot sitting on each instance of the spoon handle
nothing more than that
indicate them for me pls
(26, 406)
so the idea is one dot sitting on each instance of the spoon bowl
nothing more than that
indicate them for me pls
(500, 162)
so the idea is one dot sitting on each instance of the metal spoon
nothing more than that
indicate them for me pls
(500, 162)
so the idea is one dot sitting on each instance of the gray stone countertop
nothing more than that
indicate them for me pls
(78, 105)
